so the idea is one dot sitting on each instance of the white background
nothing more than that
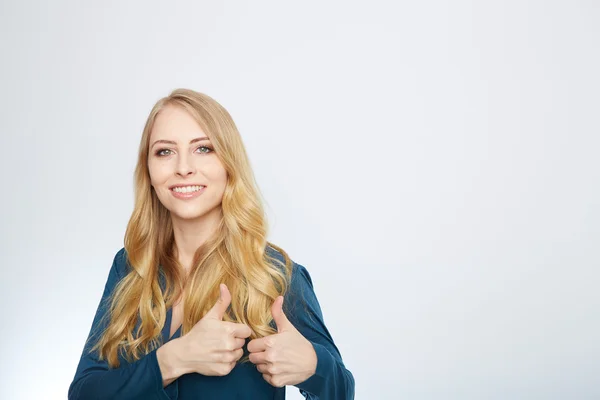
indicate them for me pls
(434, 165)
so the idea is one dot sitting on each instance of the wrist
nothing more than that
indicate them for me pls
(314, 359)
(169, 360)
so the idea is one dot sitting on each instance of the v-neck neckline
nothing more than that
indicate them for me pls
(167, 327)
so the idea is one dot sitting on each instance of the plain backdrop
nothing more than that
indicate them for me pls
(434, 165)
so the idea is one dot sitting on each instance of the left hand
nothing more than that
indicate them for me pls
(284, 358)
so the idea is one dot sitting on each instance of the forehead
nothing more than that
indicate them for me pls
(175, 123)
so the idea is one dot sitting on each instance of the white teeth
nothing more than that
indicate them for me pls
(187, 189)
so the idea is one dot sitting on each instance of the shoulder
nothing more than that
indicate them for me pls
(300, 277)
(120, 265)
(300, 303)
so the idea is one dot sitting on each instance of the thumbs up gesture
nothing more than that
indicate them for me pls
(213, 346)
(284, 358)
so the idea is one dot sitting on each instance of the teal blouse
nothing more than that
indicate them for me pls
(142, 379)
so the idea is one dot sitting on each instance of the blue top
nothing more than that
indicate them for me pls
(142, 379)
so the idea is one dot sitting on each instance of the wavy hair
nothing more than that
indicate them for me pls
(236, 254)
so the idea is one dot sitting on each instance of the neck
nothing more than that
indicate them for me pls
(190, 234)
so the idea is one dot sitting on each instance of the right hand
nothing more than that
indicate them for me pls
(213, 346)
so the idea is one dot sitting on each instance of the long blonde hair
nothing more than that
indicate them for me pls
(235, 255)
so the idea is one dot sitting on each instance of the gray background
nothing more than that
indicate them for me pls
(433, 164)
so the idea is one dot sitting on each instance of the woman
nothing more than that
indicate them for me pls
(198, 304)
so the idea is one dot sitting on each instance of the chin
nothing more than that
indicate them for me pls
(189, 215)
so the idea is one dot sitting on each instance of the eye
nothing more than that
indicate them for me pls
(160, 152)
(207, 148)
(166, 152)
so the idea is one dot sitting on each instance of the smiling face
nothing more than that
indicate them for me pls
(185, 172)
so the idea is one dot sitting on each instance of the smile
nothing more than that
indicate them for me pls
(187, 192)
(187, 189)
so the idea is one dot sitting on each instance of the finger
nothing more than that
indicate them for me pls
(239, 343)
(256, 345)
(220, 307)
(283, 324)
(238, 330)
(263, 368)
(258, 358)
(271, 380)
(267, 378)
(232, 344)
(238, 354)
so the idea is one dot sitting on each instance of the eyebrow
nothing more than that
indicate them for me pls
(199, 139)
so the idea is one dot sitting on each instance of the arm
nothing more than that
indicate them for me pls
(140, 379)
(331, 381)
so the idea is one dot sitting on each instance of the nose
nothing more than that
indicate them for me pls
(185, 165)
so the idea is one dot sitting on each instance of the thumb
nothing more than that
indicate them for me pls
(220, 307)
(283, 324)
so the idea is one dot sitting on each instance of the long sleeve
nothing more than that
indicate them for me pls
(331, 381)
(94, 379)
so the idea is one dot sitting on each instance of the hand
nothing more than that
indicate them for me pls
(285, 358)
(213, 346)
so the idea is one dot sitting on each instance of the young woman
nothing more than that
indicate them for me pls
(198, 304)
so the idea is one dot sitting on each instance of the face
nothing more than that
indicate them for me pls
(188, 177)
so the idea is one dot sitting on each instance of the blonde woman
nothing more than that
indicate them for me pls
(198, 304)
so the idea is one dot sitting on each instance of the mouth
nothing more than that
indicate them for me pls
(187, 188)
(187, 192)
